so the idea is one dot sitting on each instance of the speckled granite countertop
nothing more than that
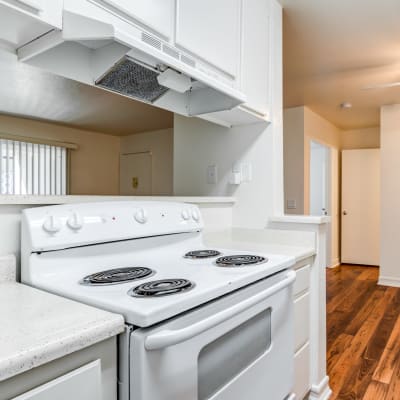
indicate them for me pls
(37, 327)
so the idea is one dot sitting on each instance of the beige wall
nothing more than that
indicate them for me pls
(94, 166)
(319, 129)
(301, 126)
(293, 141)
(368, 138)
(390, 195)
(160, 144)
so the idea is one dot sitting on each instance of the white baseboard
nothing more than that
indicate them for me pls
(389, 281)
(321, 391)
(334, 263)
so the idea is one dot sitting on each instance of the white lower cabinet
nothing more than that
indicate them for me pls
(83, 383)
(86, 374)
(302, 372)
(301, 293)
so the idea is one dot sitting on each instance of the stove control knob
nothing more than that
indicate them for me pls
(75, 221)
(185, 215)
(141, 216)
(52, 224)
(195, 215)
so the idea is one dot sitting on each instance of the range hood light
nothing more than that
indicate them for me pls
(174, 80)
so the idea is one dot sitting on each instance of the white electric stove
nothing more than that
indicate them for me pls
(201, 323)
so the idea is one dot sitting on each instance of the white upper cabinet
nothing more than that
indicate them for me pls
(255, 58)
(260, 63)
(210, 30)
(156, 15)
(22, 21)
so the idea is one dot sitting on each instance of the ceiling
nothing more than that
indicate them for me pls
(332, 49)
(32, 93)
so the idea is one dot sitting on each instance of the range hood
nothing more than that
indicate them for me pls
(139, 66)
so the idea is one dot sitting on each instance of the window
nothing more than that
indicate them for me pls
(32, 169)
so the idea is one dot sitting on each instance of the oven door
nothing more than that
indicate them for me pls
(237, 347)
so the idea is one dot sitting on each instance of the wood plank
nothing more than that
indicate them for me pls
(376, 391)
(393, 392)
(387, 362)
(337, 348)
(357, 379)
(378, 342)
(357, 320)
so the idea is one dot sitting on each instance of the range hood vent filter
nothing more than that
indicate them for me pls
(134, 80)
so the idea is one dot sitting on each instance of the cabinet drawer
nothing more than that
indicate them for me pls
(301, 320)
(83, 383)
(302, 372)
(302, 282)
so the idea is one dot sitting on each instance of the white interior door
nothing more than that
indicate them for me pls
(361, 206)
(136, 174)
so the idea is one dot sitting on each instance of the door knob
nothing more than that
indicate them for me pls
(344, 212)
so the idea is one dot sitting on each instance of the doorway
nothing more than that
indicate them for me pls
(136, 174)
(360, 218)
(319, 179)
(320, 192)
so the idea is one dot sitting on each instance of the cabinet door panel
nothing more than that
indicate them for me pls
(302, 320)
(255, 65)
(210, 29)
(28, 5)
(158, 15)
(302, 372)
(81, 384)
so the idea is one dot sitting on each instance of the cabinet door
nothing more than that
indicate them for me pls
(50, 12)
(22, 21)
(158, 15)
(255, 58)
(81, 384)
(210, 29)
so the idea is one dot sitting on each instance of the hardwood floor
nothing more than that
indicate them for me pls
(363, 325)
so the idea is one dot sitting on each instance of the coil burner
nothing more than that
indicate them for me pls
(201, 254)
(242, 260)
(116, 275)
(164, 287)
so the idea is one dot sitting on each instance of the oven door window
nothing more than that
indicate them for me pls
(223, 359)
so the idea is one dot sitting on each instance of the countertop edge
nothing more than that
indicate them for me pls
(301, 219)
(79, 339)
(51, 200)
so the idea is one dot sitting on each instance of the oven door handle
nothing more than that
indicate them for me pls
(168, 337)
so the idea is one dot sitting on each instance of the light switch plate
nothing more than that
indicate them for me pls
(212, 174)
(247, 172)
(291, 204)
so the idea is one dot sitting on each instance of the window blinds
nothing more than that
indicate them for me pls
(32, 168)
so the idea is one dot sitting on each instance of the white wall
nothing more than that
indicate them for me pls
(390, 195)
(160, 144)
(198, 144)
